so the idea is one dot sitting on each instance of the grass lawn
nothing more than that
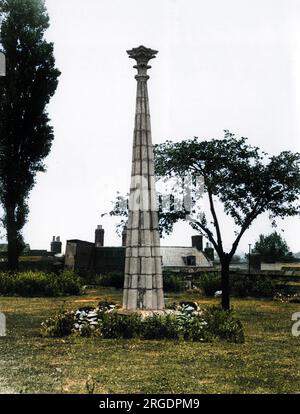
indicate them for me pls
(269, 361)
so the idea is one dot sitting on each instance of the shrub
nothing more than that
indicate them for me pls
(115, 280)
(210, 283)
(196, 330)
(69, 283)
(221, 324)
(189, 324)
(86, 330)
(258, 286)
(160, 327)
(172, 282)
(115, 326)
(59, 326)
(241, 285)
(30, 284)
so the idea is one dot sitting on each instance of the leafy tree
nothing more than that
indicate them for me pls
(271, 247)
(25, 134)
(246, 181)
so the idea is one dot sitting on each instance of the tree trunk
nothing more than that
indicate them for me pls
(225, 283)
(13, 250)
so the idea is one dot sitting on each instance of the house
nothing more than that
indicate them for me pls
(95, 258)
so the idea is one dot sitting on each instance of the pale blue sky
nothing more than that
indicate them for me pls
(222, 64)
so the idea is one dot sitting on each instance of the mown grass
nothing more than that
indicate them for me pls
(268, 362)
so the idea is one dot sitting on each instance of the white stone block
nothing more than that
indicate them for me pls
(133, 281)
(145, 220)
(148, 299)
(134, 238)
(148, 282)
(132, 299)
(135, 267)
(160, 299)
(145, 252)
(158, 281)
(147, 265)
(141, 281)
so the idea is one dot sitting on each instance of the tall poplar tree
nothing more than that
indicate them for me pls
(25, 133)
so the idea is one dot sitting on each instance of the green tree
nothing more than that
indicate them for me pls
(271, 247)
(246, 181)
(25, 134)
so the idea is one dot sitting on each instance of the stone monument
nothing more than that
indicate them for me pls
(143, 284)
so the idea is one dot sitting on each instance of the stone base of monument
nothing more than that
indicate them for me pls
(146, 313)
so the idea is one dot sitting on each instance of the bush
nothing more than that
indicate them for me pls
(69, 283)
(210, 283)
(241, 285)
(160, 327)
(221, 324)
(259, 286)
(172, 282)
(59, 326)
(196, 330)
(115, 326)
(31, 284)
(187, 323)
(115, 280)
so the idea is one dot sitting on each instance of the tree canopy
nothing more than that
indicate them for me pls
(244, 179)
(272, 247)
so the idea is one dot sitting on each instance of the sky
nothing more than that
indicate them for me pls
(222, 64)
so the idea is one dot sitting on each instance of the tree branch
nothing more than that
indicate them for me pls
(216, 223)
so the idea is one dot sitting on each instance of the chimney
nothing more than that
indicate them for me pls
(209, 251)
(99, 236)
(124, 235)
(197, 241)
(56, 245)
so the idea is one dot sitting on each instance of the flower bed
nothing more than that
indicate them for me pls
(187, 322)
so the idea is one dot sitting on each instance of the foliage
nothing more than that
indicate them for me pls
(59, 325)
(185, 323)
(40, 284)
(115, 280)
(271, 247)
(173, 282)
(25, 134)
(160, 327)
(222, 324)
(210, 283)
(245, 180)
(241, 285)
(119, 326)
(257, 286)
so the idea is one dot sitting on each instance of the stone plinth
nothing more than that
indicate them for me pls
(147, 313)
(143, 286)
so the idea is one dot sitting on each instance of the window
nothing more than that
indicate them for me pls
(191, 260)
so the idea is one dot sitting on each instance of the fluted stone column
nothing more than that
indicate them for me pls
(143, 286)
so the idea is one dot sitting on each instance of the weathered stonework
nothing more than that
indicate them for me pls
(143, 285)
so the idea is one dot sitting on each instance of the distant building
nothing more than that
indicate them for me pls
(87, 257)
(56, 245)
(180, 257)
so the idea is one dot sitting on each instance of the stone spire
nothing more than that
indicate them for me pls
(143, 287)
